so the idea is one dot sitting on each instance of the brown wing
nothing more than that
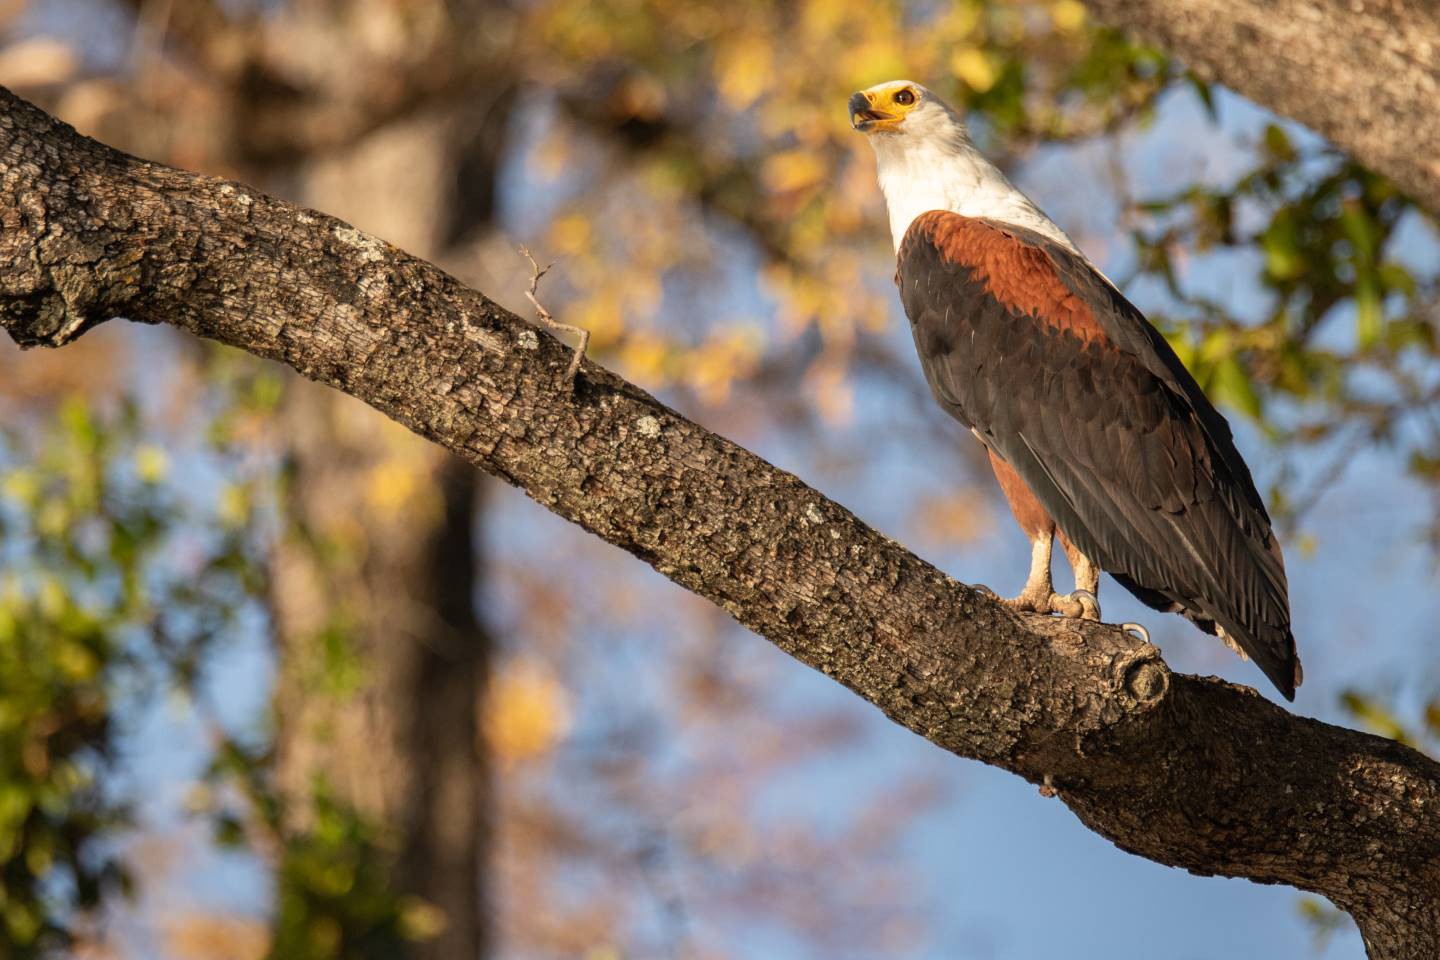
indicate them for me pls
(1022, 341)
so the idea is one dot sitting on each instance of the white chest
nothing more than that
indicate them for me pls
(960, 180)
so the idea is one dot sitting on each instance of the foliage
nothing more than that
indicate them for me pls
(98, 608)
(116, 582)
(742, 117)
(336, 894)
(61, 633)
(1345, 337)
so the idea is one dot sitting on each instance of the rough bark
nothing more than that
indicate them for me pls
(1186, 771)
(1363, 73)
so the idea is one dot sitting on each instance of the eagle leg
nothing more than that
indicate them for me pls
(1039, 595)
(1085, 601)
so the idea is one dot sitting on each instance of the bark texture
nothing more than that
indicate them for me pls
(1363, 73)
(1191, 772)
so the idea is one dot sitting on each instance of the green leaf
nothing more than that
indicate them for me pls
(1204, 93)
(1360, 229)
(1374, 716)
(1369, 312)
(1394, 278)
(1277, 144)
(1231, 387)
(1432, 718)
(1281, 244)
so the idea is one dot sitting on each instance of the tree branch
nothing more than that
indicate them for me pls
(1363, 73)
(1185, 771)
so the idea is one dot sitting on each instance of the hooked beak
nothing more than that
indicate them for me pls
(863, 116)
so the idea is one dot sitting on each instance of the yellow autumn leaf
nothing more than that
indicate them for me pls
(22, 486)
(571, 235)
(714, 366)
(53, 600)
(151, 464)
(643, 358)
(823, 19)
(599, 314)
(743, 70)
(972, 66)
(421, 920)
(75, 662)
(233, 509)
(392, 484)
(53, 517)
(873, 62)
(793, 170)
(958, 22)
(1068, 15)
(528, 711)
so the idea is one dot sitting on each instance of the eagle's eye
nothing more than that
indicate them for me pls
(905, 97)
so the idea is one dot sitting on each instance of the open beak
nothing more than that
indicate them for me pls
(862, 115)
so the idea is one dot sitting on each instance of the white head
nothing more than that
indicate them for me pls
(900, 113)
(927, 161)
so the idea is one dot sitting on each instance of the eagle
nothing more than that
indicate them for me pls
(1093, 426)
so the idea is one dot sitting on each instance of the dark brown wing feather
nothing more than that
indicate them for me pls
(1024, 342)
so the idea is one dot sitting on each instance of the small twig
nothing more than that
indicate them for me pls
(549, 322)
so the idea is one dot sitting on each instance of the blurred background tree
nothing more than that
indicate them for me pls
(403, 699)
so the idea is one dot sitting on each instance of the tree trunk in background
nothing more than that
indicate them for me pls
(382, 661)
(382, 589)
(378, 568)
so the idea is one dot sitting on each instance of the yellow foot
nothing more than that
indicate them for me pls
(1029, 602)
(1080, 605)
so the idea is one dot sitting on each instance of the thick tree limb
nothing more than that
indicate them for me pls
(1185, 771)
(1363, 73)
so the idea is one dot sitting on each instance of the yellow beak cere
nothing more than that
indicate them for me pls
(872, 111)
(866, 117)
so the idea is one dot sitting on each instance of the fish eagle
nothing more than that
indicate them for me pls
(1093, 426)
